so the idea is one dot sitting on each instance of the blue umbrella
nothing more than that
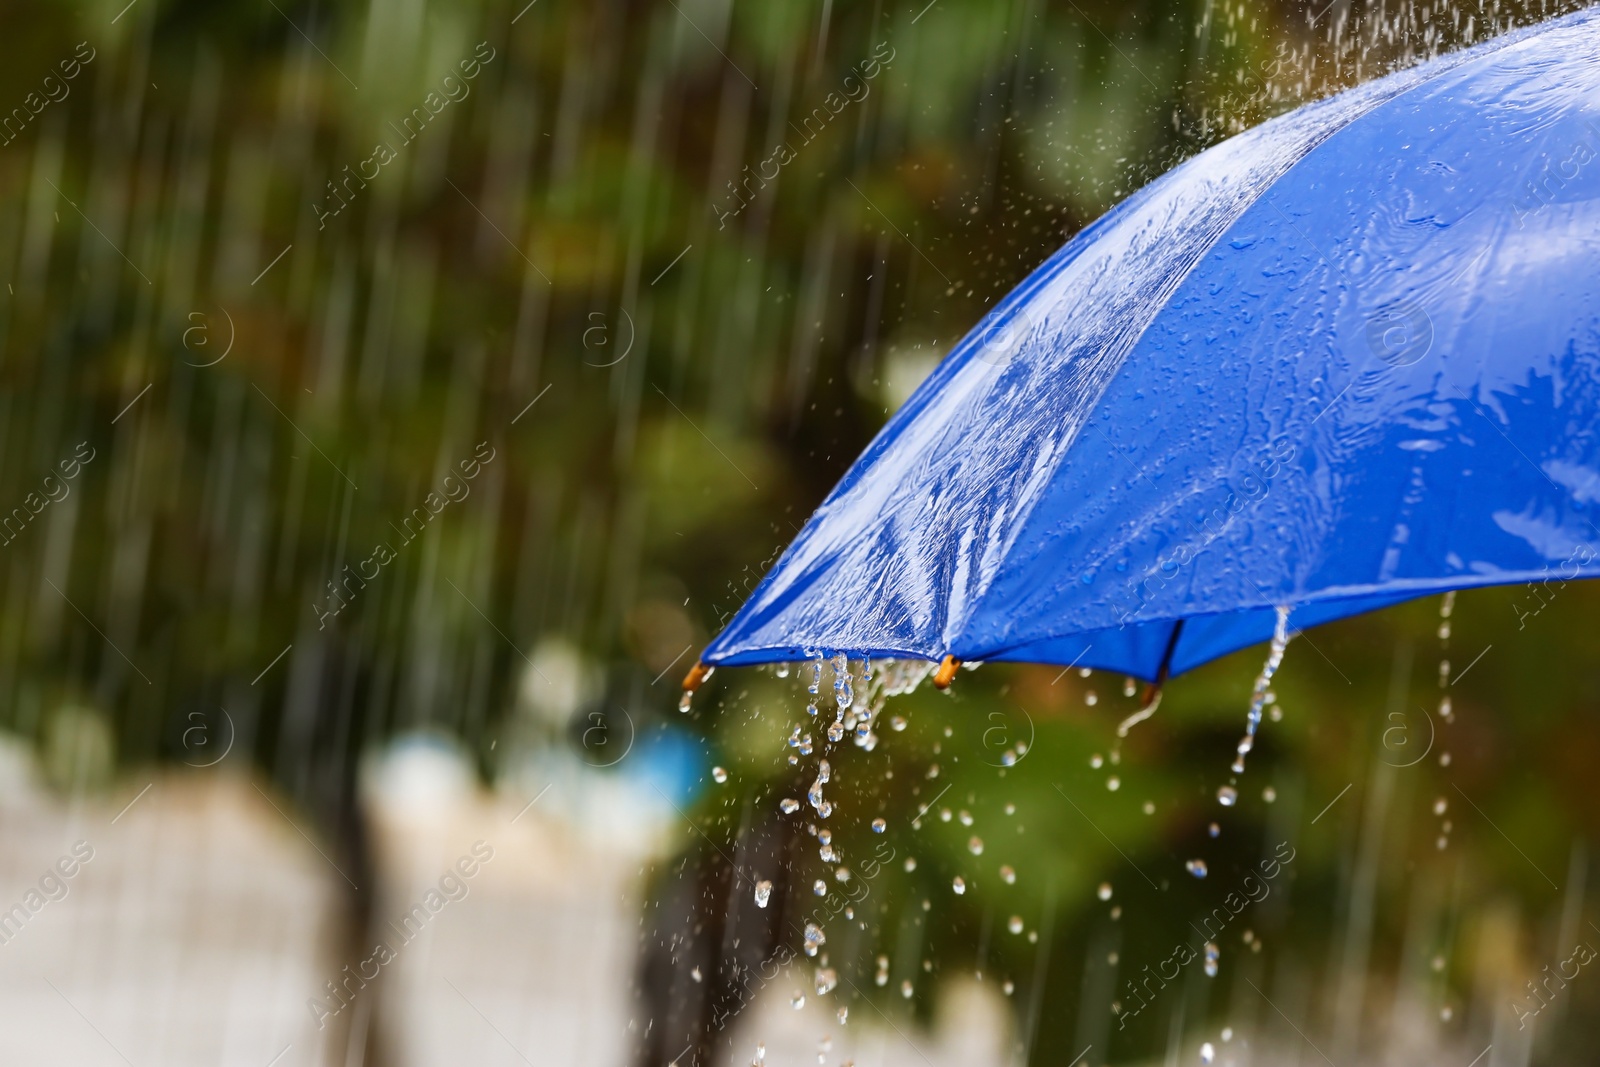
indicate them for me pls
(1347, 358)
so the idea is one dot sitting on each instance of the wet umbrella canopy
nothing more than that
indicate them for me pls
(1347, 358)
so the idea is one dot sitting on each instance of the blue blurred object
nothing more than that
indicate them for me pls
(1347, 358)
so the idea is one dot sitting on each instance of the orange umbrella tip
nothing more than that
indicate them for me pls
(697, 674)
(946, 673)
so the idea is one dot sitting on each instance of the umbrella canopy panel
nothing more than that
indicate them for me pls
(1347, 358)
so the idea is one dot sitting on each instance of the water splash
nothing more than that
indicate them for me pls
(1141, 715)
(1258, 699)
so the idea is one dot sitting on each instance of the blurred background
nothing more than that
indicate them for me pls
(396, 396)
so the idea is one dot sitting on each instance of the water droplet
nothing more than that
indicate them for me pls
(1008, 987)
(906, 989)
(819, 887)
(1445, 1013)
(1011, 809)
(797, 1001)
(1104, 892)
(1227, 796)
(695, 974)
(1113, 783)
(1008, 876)
(788, 805)
(1438, 964)
(763, 893)
(965, 817)
(824, 836)
(879, 826)
(827, 979)
(1227, 1033)
(1116, 912)
(1212, 954)
(911, 864)
(1197, 868)
(944, 814)
(1149, 807)
(683, 701)
(1440, 806)
(1129, 687)
(814, 939)
(844, 1013)
(1443, 842)
(1207, 1053)
(1269, 794)
(719, 775)
(1214, 830)
(1015, 924)
(933, 770)
(1444, 759)
(841, 874)
(1096, 762)
(959, 885)
(761, 1055)
(1091, 698)
(975, 846)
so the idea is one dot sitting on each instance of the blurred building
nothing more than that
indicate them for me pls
(530, 958)
(180, 920)
(972, 1028)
